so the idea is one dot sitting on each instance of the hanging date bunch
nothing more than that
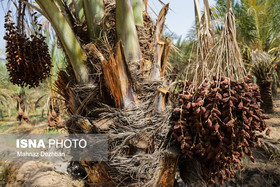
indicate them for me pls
(217, 125)
(29, 62)
(218, 119)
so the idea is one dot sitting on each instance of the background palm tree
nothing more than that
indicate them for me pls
(257, 24)
(263, 69)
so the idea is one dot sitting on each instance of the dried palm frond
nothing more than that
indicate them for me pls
(225, 58)
(196, 70)
(220, 58)
(262, 65)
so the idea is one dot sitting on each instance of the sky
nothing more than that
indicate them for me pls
(179, 20)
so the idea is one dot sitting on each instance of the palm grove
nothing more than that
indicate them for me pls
(119, 81)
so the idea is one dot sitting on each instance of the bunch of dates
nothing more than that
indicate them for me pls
(29, 62)
(218, 124)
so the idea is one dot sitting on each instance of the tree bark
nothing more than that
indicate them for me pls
(98, 173)
(168, 164)
(266, 95)
(274, 88)
(158, 46)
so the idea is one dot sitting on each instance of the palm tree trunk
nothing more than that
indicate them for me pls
(166, 177)
(274, 88)
(266, 95)
(138, 126)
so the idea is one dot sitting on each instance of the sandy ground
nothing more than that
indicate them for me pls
(274, 124)
(33, 173)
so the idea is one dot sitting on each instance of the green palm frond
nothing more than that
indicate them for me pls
(257, 22)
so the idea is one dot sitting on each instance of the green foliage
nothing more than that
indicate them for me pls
(257, 22)
(58, 60)
(181, 52)
(258, 28)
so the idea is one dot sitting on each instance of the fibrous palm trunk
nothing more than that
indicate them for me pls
(262, 69)
(274, 88)
(266, 95)
(115, 84)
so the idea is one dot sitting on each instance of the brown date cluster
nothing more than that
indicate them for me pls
(29, 62)
(217, 125)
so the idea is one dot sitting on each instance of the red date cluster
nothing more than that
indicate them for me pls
(29, 62)
(218, 124)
